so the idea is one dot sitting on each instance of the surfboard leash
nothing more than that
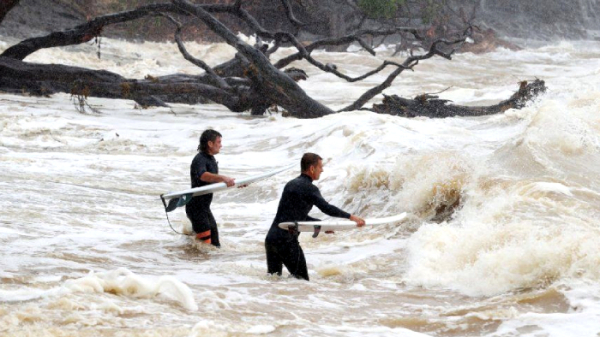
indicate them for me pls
(167, 214)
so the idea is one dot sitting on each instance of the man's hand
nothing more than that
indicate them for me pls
(229, 181)
(359, 221)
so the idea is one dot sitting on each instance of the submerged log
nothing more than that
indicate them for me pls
(45, 79)
(430, 106)
(36, 79)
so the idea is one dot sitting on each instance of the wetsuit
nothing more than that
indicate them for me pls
(299, 196)
(198, 209)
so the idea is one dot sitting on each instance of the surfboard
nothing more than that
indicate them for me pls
(338, 225)
(172, 200)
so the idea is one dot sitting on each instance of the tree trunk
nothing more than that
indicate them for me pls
(271, 82)
(45, 79)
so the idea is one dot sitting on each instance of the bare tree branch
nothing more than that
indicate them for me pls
(342, 41)
(290, 14)
(87, 31)
(270, 81)
(81, 33)
(6, 6)
(273, 49)
(216, 79)
(409, 63)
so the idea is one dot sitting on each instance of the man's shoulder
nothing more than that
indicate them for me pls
(296, 180)
(301, 182)
(203, 157)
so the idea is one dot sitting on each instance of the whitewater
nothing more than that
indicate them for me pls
(87, 250)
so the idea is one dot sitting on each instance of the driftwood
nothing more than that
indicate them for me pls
(430, 106)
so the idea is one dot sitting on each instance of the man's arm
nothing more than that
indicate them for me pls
(217, 178)
(331, 210)
(326, 207)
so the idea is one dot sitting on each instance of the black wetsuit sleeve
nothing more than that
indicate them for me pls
(327, 208)
(310, 218)
(200, 167)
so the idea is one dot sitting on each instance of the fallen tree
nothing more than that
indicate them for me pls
(432, 106)
(250, 81)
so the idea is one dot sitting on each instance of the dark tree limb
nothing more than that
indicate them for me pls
(409, 63)
(87, 31)
(304, 53)
(273, 49)
(216, 79)
(82, 33)
(268, 80)
(45, 79)
(6, 6)
(431, 106)
(290, 14)
(343, 41)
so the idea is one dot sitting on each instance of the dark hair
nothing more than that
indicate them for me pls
(308, 160)
(209, 135)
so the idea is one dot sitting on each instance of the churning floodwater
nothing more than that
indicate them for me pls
(87, 251)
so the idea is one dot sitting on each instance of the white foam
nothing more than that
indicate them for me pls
(123, 282)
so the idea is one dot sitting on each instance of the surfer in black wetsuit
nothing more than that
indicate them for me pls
(299, 196)
(203, 171)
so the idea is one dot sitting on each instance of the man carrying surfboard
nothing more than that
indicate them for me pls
(204, 170)
(297, 199)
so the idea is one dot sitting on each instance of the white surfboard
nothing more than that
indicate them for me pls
(338, 225)
(172, 200)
